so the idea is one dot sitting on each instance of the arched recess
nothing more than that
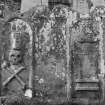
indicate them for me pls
(19, 26)
(68, 17)
(18, 34)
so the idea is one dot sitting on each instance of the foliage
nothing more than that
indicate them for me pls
(98, 12)
(17, 100)
(50, 44)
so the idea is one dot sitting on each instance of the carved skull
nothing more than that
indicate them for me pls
(15, 57)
